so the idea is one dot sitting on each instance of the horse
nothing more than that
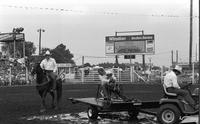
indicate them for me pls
(43, 86)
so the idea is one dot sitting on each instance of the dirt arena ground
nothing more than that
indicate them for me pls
(21, 104)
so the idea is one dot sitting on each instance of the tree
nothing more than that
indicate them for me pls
(111, 65)
(44, 50)
(0, 54)
(156, 68)
(87, 65)
(60, 54)
(29, 49)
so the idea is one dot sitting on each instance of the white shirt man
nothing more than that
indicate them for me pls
(49, 64)
(103, 79)
(170, 80)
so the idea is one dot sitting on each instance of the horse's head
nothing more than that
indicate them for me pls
(38, 71)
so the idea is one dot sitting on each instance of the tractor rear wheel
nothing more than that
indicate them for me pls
(169, 114)
(92, 112)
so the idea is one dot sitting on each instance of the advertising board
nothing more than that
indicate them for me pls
(9, 37)
(131, 44)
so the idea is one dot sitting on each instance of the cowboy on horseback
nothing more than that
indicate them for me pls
(50, 67)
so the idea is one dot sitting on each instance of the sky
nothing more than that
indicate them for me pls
(82, 25)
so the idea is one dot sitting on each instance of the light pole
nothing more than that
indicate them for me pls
(40, 30)
(199, 67)
(191, 33)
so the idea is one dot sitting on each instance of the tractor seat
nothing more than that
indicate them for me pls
(167, 93)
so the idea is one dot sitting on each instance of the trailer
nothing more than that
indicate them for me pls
(99, 105)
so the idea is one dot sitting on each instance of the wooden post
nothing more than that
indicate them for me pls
(10, 75)
(82, 75)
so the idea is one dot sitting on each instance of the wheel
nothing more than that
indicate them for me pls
(169, 114)
(92, 112)
(133, 114)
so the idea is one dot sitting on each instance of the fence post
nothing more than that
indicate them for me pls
(82, 75)
(131, 73)
(26, 75)
(93, 75)
(161, 74)
(192, 73)
(70, 74)
(118, 74)
(10, 76)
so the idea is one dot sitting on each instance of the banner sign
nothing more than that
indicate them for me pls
(131, 44)
(9, 37)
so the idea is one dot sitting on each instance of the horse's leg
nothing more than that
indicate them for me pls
(43, 104)
(59, 93)
(53, 99)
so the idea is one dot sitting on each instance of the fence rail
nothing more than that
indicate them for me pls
(80, 76)
(121, 76)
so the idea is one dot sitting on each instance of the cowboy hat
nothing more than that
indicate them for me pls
(108, 72)
(47, 53)
(178, 68)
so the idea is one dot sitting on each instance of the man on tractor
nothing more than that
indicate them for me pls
(172, 86)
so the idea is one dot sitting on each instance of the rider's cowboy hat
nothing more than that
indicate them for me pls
(47, 53)
(178, 68)
(109, 72)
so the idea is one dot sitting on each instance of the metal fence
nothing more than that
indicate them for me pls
(16, 76)
(122, 76)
